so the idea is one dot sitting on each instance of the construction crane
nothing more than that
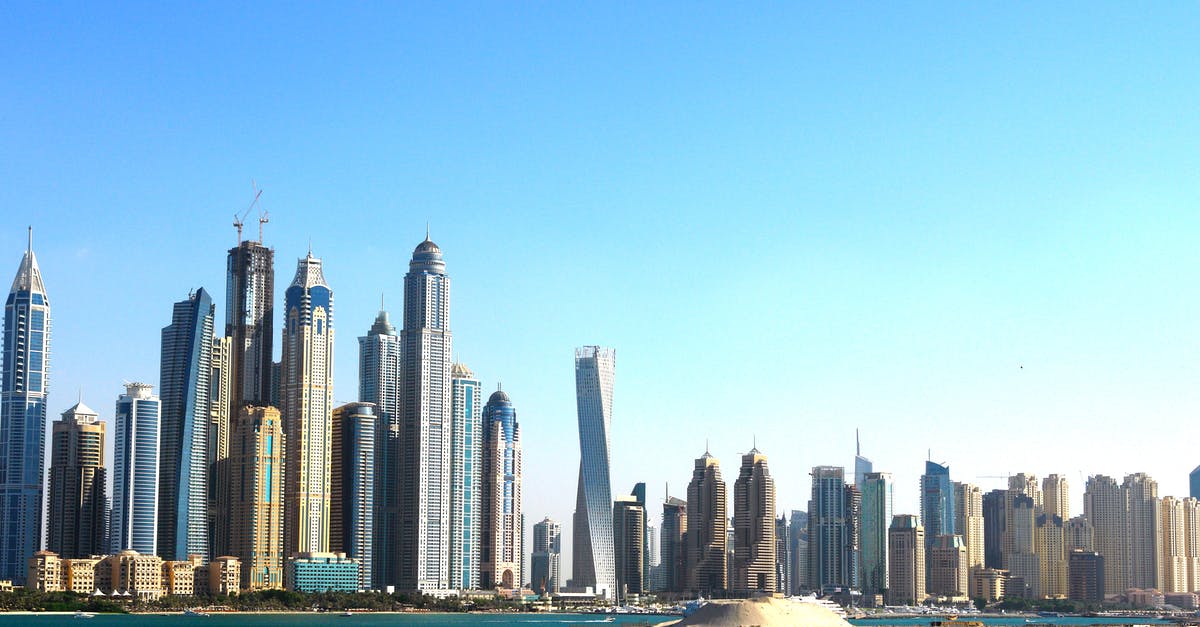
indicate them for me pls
(237, 219)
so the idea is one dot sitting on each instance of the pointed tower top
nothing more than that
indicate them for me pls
(857, 443)
(427, 231)
(29, 276)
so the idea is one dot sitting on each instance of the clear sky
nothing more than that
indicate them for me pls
(970, 228)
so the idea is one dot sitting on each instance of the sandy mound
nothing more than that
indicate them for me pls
(762, 611)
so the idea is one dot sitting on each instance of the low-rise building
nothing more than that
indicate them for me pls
(989, 583)
(179, 577)
(323, 572)
(224, 575)
(44, 572)
(79, 575)
(1085, 576)
(141, 576)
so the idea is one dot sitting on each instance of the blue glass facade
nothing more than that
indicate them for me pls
(1194, 484)
(135, 471)
(184, 389)
(876, 489)
(937, 504)
(23, 418)
(323, 572)
(466, 445)
(353, 484)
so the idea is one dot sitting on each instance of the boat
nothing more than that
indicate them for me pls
(83, 614)
(191, 612)
(347, 614)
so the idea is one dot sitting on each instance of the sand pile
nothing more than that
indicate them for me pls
(762, 612)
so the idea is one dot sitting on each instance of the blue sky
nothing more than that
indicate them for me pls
(965, 228)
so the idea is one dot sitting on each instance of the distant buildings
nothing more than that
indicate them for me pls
(592, 562)
(78, 487)
(500, 496)
(706, 522)
(629, 537)
(379, 384)
(26, 378)
(135, 471)
(937, 504)
(754, 563)
(352, 487)
(545, 563)
(672, 545)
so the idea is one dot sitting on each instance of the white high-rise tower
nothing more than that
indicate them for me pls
(593, 563)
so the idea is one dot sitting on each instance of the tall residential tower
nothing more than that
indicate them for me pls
(592, 562)
(500, 496)
(78, 490)
(466, 466)
(379, 384)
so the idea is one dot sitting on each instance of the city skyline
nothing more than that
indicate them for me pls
(972, 219)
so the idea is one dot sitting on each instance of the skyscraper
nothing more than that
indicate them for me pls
(783, 556)
(1174, 546)
(1050, 546)
(307, 388)
(185, 389)
(1080, 534)
(425, 393)
(500, 496)
(256, 502)
(1191, 542)
(592, 560)
(249, 321)
(1056, 498)
(968, 523)
(1105, 507)
(629, 539)
(220, 430)
(379, 384)
(906, 561)
(78, 489)
(352, 486)
(1145, 531)
(672, 545)
(135, 471)
(706, 523)
(949, 573)
(466, 466)
(828, 533)
(993, 529)
(876, 516)
(754, 525)
(26, 381)
(545, 563)
(852, 553)
(798, 544)
(1024, 567)
(937, 505)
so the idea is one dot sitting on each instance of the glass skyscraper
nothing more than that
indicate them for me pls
(379, 384)
(353, 486)
(184, 388)
(307, 388)
(592, 562)
(876, 516)
(828, 534)
(862, 465)
(23, 417)
(500, 496)
(425, 423)
(466, 465)
(937, 504)
(135, 471)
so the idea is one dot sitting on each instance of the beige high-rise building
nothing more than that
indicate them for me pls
(968, 523)
(1024, 568)
(1174, 546)
(949, 572)
(220, 427)
(754, 525)
(256, 461)
(1104, 505)
(906, 561)
(1050, 546)
(706, 525)
(1056, 497)
(78, 492)
(1080, 534)
(1145, 531)
(1191, 542)
(1020, 484)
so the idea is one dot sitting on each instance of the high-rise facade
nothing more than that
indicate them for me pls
(1194, 483)
(1105, 507)
(706, 537)
(876, 516)
(1056, 497)
(425, 393)
(1085, 576)
(1145, 531)
(307, 388)
(26, 380)
(1050, 546)
(783, 556)
(78, 485)
(352, 486)
(1024, 567)
(906, 561)
(1191, 542)
(220, 430)
(500, 496)
(828, 529)
(969, 523)
(249, 322)
(1080, 534)
(592, 537)
(1174, 546)
(135, 471)
(937, 504)
(379, 384)
(754, 526)
(185, 390)
(256, 500)
(629, 538)
(948, 569)
(466, 475)
(672, 545)
(798, 544)
(545, 563)
(993, 528)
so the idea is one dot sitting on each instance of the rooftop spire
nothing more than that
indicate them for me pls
(29, 277)
(857, 443)
(30, 248)
(427, 230)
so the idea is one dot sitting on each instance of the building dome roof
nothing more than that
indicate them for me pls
(499, 397)
(427, 246)
(427, 257)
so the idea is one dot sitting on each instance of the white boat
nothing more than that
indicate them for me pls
(191, 612)
(83, 614)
